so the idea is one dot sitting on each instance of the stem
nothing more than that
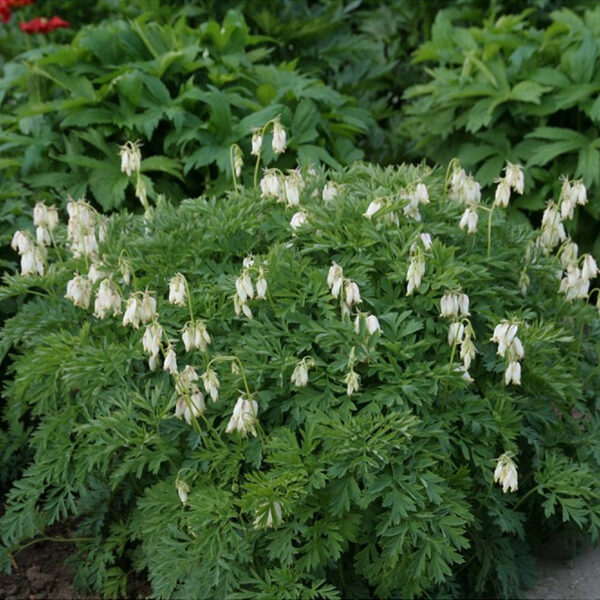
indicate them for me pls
(523, 498)
(231, 161)
(51, 539)
(489, 232)
(58, 254)
(232, 358)
(189, 299)
(451, 165)
(259, 155)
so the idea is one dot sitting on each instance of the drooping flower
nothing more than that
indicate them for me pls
(352, 381)
(270, 185)
(506, 473)
(132, 312)
(211, 383)
(298, 219)
(131, 157)
(502, 196)
(514, 177)
(257, 141)
(373, 208)
(469, 220)
(300, 375)
(244, 417)
(426, 240)
(190, 406)
(335, 278)
(177, 290)
(182, 490)
(455, 333)
(79, 291)
(279, 138)
(151, 338)
(147, 309)
(261, 285)
(107, 298)
(513, 373)
(195, 336)
(414, 275)
(330, 191)
(170, 363)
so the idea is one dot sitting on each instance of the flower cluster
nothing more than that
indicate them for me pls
(454, 304)
(177, 290)
(43, 25)
(140, 308)
(416, 267)
(278, 143)
(33, 257)
(572, 194)
(45, 218)
(108, 298)
(417, 196)
(195, 336)
(190, 403)
(84, 229)
(346, 289)
(506, 473)
(131, 157)
(466, 190)
(511, 348)
(367, 323)
(513, 179)
(578, 273)
(244, 289)
(79, 291)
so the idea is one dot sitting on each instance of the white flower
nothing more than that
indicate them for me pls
(248, 261)
(238, 160)
(177, 290)
(335, 278)
(574, 284)
(589, 270)
(580, 192)
(195, 336)
(147, 309)
(373, 325)
(514, 177)
(300, 375)
(244, 417)
(465, 373)
(506, 473)
(269, 184)
(329, 191)
(553, 231)
(261, 285)
(421, 195)
(504, 334)
(132, 312)
(211, 383)
(96, 273)
(153, 362)
(42, 236)
(502, 193)
(351, 293)
(279, 138)
(469, 220)
(292, 191)
(414, 275)
(170, 363)
(21, 242)
(40, 214)
(568, 254)
(455, 332)
(52, 217)
(182, 490)
(449, 305)
(243, 286)
(151, 338)
(257, 141)
(107, 299)
(131, 158)
(33, 262)
(467, 348)
(426, 241)
(372, 209)
(188, 407)
(463, 305)
(352, 381)
(513, 373)
(79, 291)
(471, 191)
(298, 220)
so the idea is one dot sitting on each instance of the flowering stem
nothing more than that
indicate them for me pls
(231, 161)
(240, 365)
(54, 244)
(489, 231)
(451, 165)
(452, 353)
(259, 155)
(189, 299)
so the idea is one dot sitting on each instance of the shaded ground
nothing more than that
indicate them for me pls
(577, 578)
(40, 572)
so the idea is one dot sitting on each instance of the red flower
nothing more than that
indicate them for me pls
(43, 25)
(18, 2)
(4, 11)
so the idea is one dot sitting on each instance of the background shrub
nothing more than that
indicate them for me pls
(387, 491)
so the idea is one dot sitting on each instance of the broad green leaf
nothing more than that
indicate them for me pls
(305, 122)
(162, 163)
(588, 165)
(87, 116)
(528, 91)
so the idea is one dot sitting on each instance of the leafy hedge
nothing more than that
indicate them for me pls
(360, 457)
(506, 90)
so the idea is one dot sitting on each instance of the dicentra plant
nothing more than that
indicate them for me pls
(308, 388)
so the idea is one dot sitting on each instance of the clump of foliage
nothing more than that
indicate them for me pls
(186, 93)
(507, 90)
(342, 410)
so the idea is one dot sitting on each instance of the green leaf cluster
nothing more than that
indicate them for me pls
(387, 492)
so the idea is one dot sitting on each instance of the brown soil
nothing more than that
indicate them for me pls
(40, 572)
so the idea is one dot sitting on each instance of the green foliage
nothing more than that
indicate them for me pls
(386, 491)
(507, 90)
(186, 93)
